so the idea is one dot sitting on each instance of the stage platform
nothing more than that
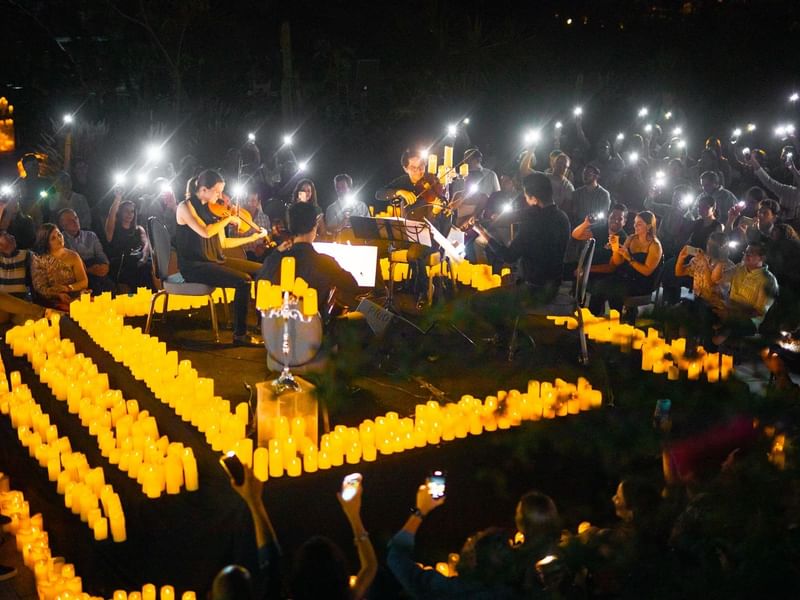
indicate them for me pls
(183, 540)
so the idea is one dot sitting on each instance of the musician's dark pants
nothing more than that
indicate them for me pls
(233, 273)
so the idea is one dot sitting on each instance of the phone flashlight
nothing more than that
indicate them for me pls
(643, 111)
(751, 127)
(668, 115)
(745, 150)
(6, 190)
(578, 111)
(452, 129)
(559, 125)
(633, 158)
(677, 131)
(233, 467)
(733, 245)
(620, 136)
(437, 484)
(473, 189)
(740, 204)
(737, 132)
(648, 128)
(350, 485)
(508, 207)
(686, 200)
(251, 137)
(532, 136)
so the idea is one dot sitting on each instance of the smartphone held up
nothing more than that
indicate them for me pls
(436, 483)
(350, 485)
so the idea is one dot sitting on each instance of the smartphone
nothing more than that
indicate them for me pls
(233, 467)
(350, 485)
(597, 217)
(436, 483)
(692, 251)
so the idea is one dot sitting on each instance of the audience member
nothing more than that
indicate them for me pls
(34, 188)
(591, 199)
(162, 205)
(128, 248)
(57, 273)
(18, 224)
(484, 179)
(346, 205)
(15, 283)
(788, 195)
(63, 198)
(88, 246)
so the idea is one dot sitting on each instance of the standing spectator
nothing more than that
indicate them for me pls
(609, 164)
(88, 246)
(562, 186)
(57, 272)
(64, 197)
(17, 223)
(161, 204)
(346, 205)
(788, 195)
(34, 188)
(589, 199)
(710, 184)
(480, 176)
(257, 250)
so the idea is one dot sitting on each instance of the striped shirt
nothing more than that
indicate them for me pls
(13, 273)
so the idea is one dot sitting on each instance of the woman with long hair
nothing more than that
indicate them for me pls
(306, 191)
(200, 238)
(633, 266)
(57, 273)
(127, 245)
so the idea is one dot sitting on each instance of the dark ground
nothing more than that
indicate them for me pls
(183, 540)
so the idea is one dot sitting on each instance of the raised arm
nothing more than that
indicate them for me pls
(366, 552)
(111, 219)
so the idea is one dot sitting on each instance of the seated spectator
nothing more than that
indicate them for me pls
(321, 272)
(701, 228)
(346, 205)
(758, 230)
(484, 568)
(710, 271)
(64, 197)
(127, 245)
(538, 521)
(306, 192)
(88, 246)
(160, 204)
(753, 289)
(57, 272)
(633, 267)
(232, 583)
(17, 223)
(255, 251)
(14, 283)
(602, 230)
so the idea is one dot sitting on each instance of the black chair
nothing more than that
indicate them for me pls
(566, 303)
(174, 283)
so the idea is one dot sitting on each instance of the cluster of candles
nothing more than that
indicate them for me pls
(56, 579)
(126, 436)
(292, 452)
(175, 383)
(658, 355)
(478, 277)
(445, 172)
(138, 304)
(270, 296)
(84, 488)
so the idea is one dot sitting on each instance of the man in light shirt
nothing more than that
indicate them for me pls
(788, 195)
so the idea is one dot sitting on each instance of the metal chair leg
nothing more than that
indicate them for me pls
(584, 355)
(214, 323)
(152, 308)
(512, 344)
(226, 308)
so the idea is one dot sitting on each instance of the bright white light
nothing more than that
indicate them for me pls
(68, 119)
(119, 178)
(643, 111)
(349, 199)
(648, 128)
(154, 152)
(251, 136)
(686, 200)
(578, 111)
(780, 131)
(532, 136)
(452, 129)
(302, 165)
(43, 194)
(559, 124)
(668, 115)
(620, 136)
(633, 158)
(745, 150)
(737, 132)
(508, 207)
(733, 245)
(794, 97)
(6, 190)
(740, 204)
(681, 144)
(660, 179)
(424, 153)
(751, 127)
(239, 190)
(569, 21)
(287, 139)
(141, 178)
(473, 189)
(466, 121)
(165, 188)
(600, 216)
(660, 175)
(789, 128)
(677, 131)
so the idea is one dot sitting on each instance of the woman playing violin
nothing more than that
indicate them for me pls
(200, 239)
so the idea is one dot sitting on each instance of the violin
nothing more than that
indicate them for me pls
(224, 208)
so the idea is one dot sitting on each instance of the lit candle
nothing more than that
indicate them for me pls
(448, 157)
(261, 464)
(101, 529)
(310, 302)
(148, 591)
(287, 273)
(432, 163)
(463, 170)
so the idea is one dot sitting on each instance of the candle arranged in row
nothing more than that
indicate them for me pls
(56, 579)
(269, 296)
(658, 355)
(138, 304)
(478, 277)
(128, 437)
(84, 488)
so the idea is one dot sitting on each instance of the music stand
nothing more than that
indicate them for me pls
(391, 229)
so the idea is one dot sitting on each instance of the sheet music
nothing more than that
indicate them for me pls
(454, 253)
(359, 261)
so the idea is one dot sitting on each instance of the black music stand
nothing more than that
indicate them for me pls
(392, 230)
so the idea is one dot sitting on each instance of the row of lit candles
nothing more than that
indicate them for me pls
(56, 579)
(84, 488)
(138, 304)
(289, 450)
(658, 355)
(478, 277)
(128, 437)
